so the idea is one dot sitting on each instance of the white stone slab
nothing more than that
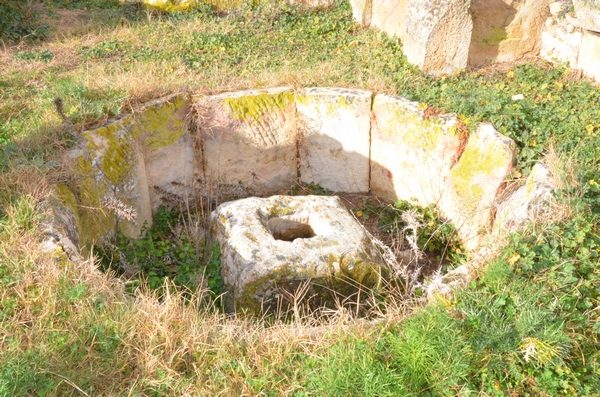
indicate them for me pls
(335, 148)
(248, 138)
(471, 188)
(438, 34)
(527, 203)
(411, 155)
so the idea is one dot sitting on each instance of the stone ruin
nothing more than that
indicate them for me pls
(259, 143)
(442, 36)
(269, 242)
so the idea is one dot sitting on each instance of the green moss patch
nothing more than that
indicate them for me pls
(254, 107)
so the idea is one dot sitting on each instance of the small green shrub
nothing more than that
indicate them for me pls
(429, 353)
(436, 237)
(20, 374)
(20, 21)
(42, 56)
(160, 252)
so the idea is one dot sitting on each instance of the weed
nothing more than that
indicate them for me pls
(163, 252)
(21, 21)
(310, 189)
(42, 56)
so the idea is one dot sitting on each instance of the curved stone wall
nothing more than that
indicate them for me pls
(260, 142)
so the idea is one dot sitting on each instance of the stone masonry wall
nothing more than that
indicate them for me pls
(261, 142)
(441, 36)
(571, 34)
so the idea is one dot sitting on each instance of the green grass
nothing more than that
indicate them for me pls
(528, 324)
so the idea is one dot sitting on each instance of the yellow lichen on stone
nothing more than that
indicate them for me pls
(331, 103)
(414, 130)
(493, 36)
(476, 163)
(171, 5)
(251, 297)
(162, 125)
(254, 107)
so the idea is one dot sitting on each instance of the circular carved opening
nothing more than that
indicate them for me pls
(289, 230)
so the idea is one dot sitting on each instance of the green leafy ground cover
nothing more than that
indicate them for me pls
(528, 324)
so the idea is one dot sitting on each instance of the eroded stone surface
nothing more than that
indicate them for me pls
(411, 155)
(438, 34)
(390, 16)
(249, 138)
(334, 150)
(256, 142)
(506, 30)
(170, 161)
(111, 183)
(588, 14)
(471, 188)
(361, 11)
(527, 203)
(255, 264)
(589, 55)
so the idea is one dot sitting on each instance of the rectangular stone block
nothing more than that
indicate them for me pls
(170, 162)
(361, 11)
(335, 148)
(589, 55)
(438, 34)
(506, 30)
(248, 140)
(471, 188)
(111, 181)
(411, 154)
(588, 14)
(390, 16)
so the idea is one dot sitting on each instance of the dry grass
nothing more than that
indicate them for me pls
(165, 342)
(85, 331)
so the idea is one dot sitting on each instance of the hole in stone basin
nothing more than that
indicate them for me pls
(289, 230)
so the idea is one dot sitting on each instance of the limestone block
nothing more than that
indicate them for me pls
(64, 215)
(548, 43)
(565, 53)
(506, 30)
(256, 267)
(169, 157)
(575, 39)
(572, 20)
(335, 148)
(116, 163)
(390, 16)
(438, 33)
(527, 203)
(588, 14)
(361, 11)
(589, 55)
(248, 138)
(411, 155)
(470, 191)
(111, 182)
